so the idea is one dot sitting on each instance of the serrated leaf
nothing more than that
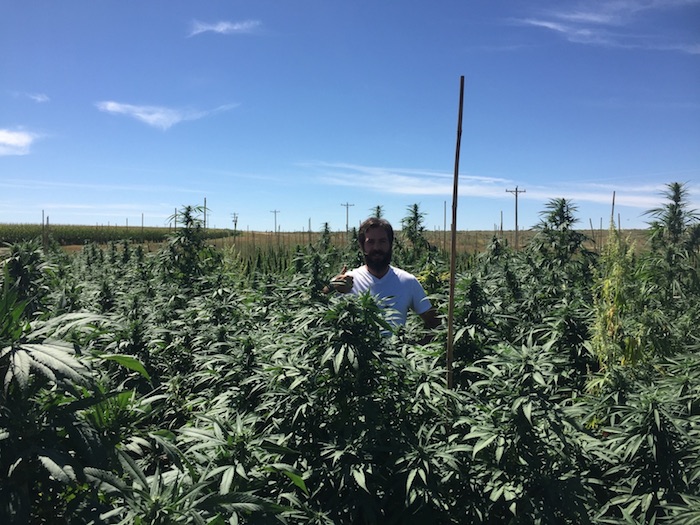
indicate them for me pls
(131, 468)
(483, 443)
(359, 476)
(338, 359)
(20, 364)
(275, 448)
(129, 362)
(496, 493)
(227, 480)
(513, 508)
(409, 480)
(58, 357)
(63, 473)
(527, 411)
(297, 480)
(106, 479)
(537, 376)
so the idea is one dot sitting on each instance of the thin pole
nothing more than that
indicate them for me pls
(453, 251)
(516, 191)
(347, 216)
(612, 211)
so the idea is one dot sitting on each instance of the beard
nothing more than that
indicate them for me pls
(378, 260)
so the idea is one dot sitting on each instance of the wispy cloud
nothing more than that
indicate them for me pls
(611, 23)
(224, 27)
(406, 181)
(40, 185)
(403, 181)
(576, 34)
(16, 142)
(642, 198)
(38, 97)
(157, 116)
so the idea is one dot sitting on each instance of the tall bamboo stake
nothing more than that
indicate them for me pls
(453, 247)
(612, 211)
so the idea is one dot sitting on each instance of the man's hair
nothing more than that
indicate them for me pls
(374, 222)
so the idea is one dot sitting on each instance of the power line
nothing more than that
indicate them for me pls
(515, 192)
(275, 212)
(347, 215)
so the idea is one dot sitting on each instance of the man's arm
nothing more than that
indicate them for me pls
(430, 318)
(340, 283)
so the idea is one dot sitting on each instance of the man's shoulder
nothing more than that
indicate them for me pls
(359, 270)
(402, 274)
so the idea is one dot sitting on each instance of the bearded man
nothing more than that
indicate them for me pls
(397, 290)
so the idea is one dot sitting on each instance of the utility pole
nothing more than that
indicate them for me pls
(235, 222)
(275, 212)
(515, 192)
(347, 216)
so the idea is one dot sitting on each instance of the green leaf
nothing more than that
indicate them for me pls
(129, 362)
(527, 411)
(59, 358)
(275, 448)
(227, 480)
(63, 473)
(538, 378)
(132, 469)
(409, 480)
(297, 480)
(20, 364)
(359, 476)
(483, 443)
(338, 359)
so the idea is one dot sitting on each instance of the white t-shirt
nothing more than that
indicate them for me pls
(398, 290)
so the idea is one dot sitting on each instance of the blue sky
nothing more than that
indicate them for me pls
(116, 112)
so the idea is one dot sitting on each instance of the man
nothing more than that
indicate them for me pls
(396, 289)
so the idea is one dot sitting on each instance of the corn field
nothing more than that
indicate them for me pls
(207, 383)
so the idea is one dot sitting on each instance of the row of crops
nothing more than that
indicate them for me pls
(74, 234)
(194, 385)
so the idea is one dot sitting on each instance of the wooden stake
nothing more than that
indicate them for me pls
(453, 248)
(612, 211)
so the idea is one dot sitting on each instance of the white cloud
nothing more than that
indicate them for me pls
(587, 17)
(581, 35)
(591, 24)
(691, 49)
(404, 181)
(157, 116)
(15, 142)
(38, 97)
(224, 28)
(42, 185)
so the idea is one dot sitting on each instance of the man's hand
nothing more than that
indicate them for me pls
(342, 282)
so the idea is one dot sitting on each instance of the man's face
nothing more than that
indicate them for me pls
(377, 249)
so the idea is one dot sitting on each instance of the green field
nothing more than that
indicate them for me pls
(70, 234)
(79, 235)
(183, 382)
